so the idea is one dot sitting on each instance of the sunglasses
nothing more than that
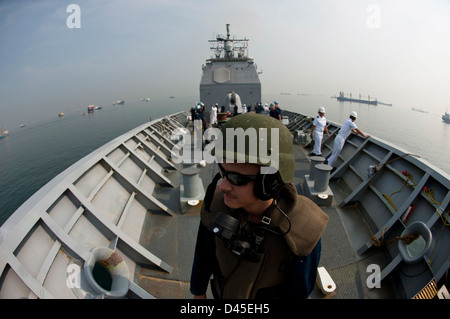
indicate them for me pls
(236, 178)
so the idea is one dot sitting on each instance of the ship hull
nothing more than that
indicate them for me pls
(344, 99)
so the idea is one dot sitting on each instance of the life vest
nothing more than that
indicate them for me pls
(238, 277)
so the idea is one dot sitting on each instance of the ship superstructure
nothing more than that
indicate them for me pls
(230, 70)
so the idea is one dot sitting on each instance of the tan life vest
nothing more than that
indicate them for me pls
(239, 278)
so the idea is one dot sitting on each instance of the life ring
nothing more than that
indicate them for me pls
(117, 268)
(417, 228)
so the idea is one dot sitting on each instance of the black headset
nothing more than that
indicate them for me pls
(267, 186)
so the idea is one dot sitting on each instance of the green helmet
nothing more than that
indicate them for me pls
(260, 143)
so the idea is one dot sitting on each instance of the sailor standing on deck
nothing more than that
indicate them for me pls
(275, 112)
(214, 114)
(257, 236)
(200, 116)
(348, 127)
(319, 125)
(192, 113)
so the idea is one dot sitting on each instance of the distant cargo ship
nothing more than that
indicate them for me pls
(418, 110)
(342, 98)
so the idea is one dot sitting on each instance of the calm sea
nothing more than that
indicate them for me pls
(31, 156)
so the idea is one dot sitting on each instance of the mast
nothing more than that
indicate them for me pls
(229, 48)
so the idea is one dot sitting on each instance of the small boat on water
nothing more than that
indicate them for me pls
(446, 117)
(120, 102)
(4, 132)
(61, 114)
(91, 108)
(130, 208)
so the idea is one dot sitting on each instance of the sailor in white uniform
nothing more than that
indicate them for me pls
(319, 126)
(348, 127)
(214, 114)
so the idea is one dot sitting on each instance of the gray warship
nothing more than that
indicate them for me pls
(230, 77)
(132, 210)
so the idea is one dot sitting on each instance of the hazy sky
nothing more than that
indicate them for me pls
(397, 51)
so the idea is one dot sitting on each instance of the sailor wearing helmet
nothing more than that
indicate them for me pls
(348, 127)
(319, 126)
(199, 115)
(275, 112)
(257, 236)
